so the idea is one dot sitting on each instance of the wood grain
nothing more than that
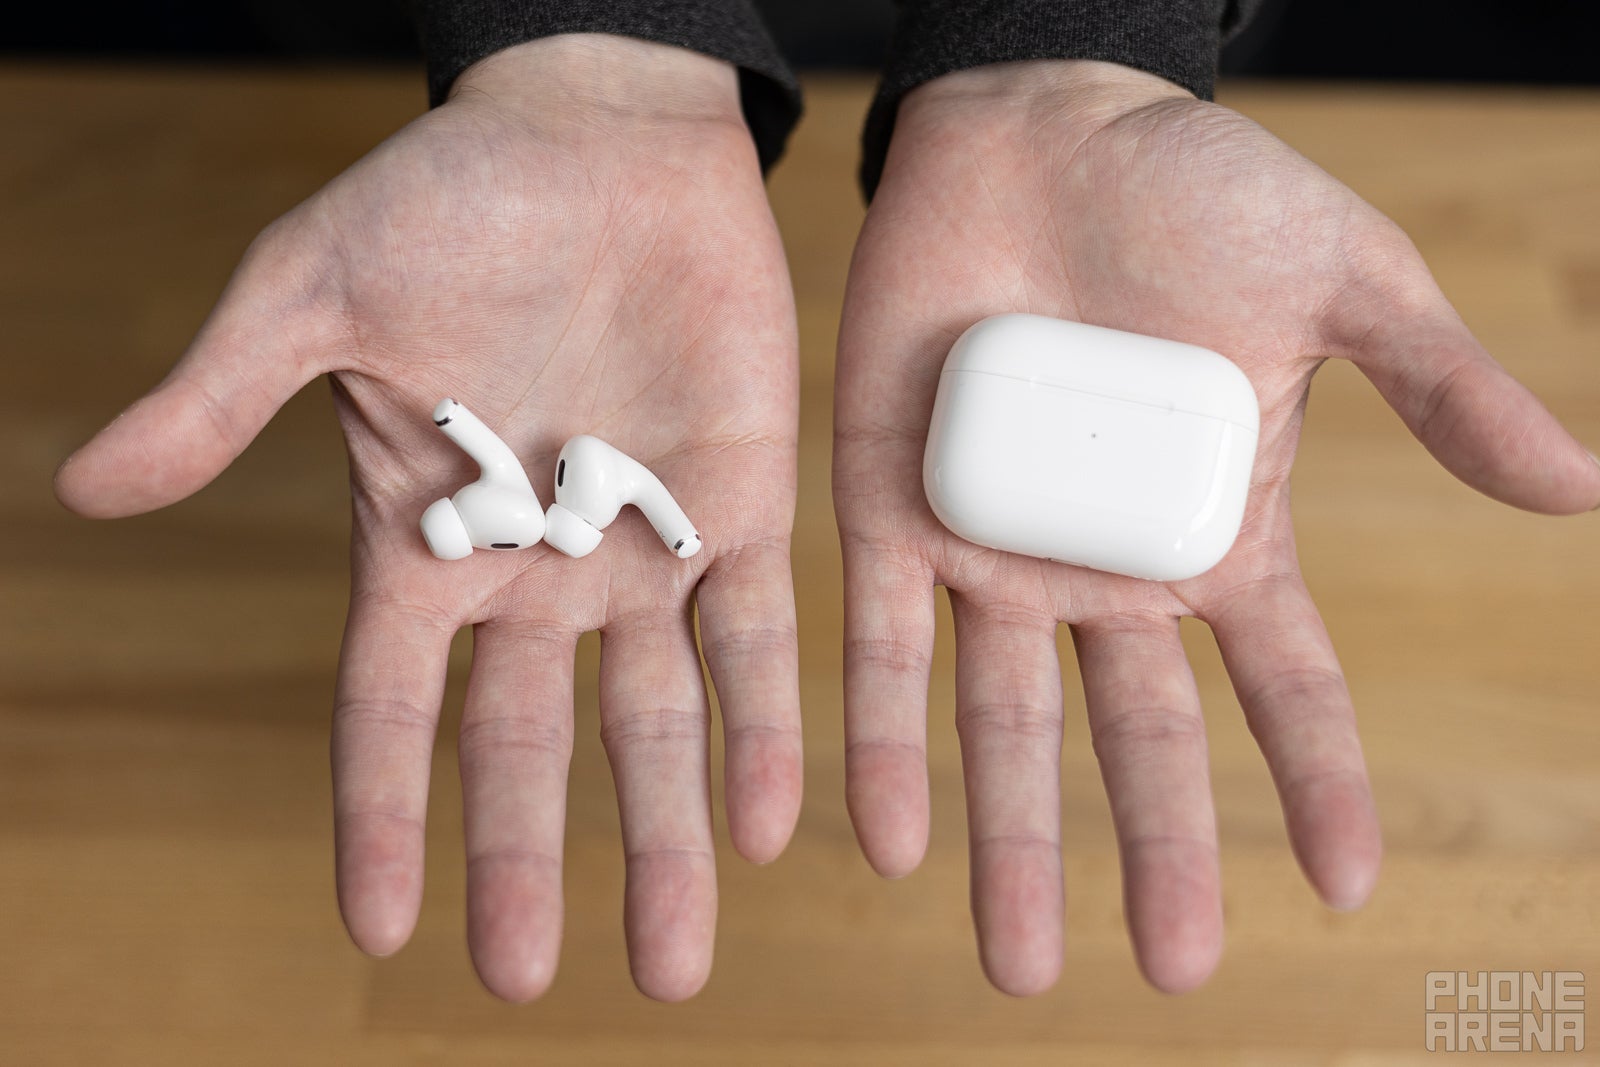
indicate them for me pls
(165, 850)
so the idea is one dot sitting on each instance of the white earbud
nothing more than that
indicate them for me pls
(593, 482)
(499, 510)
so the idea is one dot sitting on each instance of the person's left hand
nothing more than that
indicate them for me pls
(1092, 192)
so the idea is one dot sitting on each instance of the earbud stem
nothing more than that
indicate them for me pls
(496, 461)
(671, 524)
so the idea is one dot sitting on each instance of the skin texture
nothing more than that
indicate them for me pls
(578, 242)
(1095, 193)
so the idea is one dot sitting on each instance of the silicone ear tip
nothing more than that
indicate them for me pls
(566, 532)
(444, 531)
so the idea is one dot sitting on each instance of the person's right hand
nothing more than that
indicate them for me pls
(578, 242)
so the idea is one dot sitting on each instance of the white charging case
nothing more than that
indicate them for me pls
(1090, 446)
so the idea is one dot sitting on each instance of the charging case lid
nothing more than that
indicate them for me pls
(1109, 363)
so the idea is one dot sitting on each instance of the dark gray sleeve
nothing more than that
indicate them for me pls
(457, 33)
(1176, 39)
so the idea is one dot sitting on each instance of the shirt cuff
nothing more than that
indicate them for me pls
(1176, 39)
(457, 33)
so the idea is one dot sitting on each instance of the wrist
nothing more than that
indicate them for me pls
(1084, 93)
(622, 77)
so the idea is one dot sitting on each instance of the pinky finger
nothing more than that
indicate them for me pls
(747, 626)
(888, 654)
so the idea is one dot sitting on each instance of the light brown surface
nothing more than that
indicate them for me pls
(166, 891)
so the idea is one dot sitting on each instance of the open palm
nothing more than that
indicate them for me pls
(1094, 193)
(561, 264)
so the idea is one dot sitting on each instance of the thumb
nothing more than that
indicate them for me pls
(253, 353)
(1483, 425)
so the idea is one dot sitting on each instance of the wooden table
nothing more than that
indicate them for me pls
(166, 889)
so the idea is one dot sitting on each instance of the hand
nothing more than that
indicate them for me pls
(1092, 192)
(578, 242)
